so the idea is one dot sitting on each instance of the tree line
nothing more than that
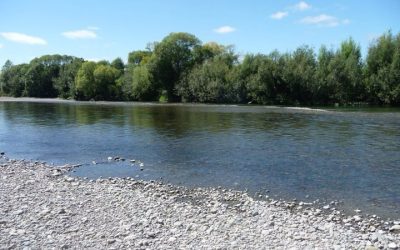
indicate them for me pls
(180, 68)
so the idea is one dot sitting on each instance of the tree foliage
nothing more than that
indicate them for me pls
(181, 68)
(383, 70)
(171, 58)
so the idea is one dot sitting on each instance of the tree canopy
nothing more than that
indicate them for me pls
(180, 68)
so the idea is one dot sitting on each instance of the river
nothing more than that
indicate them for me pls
(350, 155)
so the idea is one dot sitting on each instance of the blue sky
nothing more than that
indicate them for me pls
(95, 29)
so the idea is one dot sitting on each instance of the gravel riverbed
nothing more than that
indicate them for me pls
(42, 207)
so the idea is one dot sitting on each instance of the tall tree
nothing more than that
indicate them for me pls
(299, 73)
(118, 64)
(65, 82)
(171, 58)
(5, 77)
(15, 80)
(382, 69)
(105, 78)
(323, 89)
(84, 81)
(346, 73)
(139, 57)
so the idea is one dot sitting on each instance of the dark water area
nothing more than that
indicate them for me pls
(351, 155)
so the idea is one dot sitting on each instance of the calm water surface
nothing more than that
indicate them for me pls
(352, 156)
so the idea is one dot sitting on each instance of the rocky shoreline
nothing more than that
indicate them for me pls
(42, 207)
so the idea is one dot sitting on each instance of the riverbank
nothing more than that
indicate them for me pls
(43, 207)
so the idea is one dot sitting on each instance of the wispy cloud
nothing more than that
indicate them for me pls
(80, 34)
(1, 46)
(224, 29)
(324, 20)
(23, 38)
(279, 15)
(301, 6)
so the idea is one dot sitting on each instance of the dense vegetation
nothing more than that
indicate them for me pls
(181, 68)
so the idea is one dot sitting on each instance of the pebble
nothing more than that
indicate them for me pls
(172, 239)
(111, 241)
(395, 228)
(127, 213)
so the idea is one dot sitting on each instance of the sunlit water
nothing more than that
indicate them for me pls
(351, 156)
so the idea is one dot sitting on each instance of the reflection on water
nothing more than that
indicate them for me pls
(350, 156)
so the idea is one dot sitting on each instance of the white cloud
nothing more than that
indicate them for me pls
(23, 38)
(224, 29)
(323, 20)
(80, 34)
(301, 6)
(1, 46)
(279, 15)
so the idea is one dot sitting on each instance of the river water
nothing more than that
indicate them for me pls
(348, 155)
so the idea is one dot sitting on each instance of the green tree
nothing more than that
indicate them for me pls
(323, 89)
(139, 57)
(171, 58)
(263, 76)
(382, 70)
(5, 77)
(346, 73)
(212, 80)
(142, 87)
(207, 82)
(40, 80)
(65, 82)
(14, 78)
(84, 82)
(105, 78)
(118, 64)
(299, 74)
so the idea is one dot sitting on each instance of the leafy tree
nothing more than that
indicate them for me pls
(299, 74)
(382, 70)
(105, 77)
(346, 73)
(323, 89)
(139, 57)
(259, 78)
(5, 77)
(181, 68)
(97, 82)
(210, 50)
(212, 80)
(15, 79)
(65, 82)
(119, 65)
(172, 57)
(142, 87)
(84, 82)
(207, 82)
(40, 80)
(263, 76)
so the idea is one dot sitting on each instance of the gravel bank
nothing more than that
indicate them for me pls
(41, 207)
